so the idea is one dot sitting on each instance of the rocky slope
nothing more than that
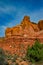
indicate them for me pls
(19, 37)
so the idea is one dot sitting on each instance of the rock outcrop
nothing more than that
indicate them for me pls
(19, 37)
(40, 24)
(25, 26)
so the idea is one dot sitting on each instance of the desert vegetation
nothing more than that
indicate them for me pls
(3, 59)
(33, 54)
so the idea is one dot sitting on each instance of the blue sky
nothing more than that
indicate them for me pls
(13, 11)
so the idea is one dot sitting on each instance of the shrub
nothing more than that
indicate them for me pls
(3, 57)
(14, 64)
(9, 56)
(35, 53)
(14, 58)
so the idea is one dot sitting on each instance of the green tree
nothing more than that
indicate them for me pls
(35, 53)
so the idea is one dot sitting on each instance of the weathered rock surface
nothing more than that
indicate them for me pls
(19, 37)
(26, 26)
(40, 24)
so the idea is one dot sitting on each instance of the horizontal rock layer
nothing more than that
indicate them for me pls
(20, 36)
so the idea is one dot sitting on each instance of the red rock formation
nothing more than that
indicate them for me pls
(40, 24)
(19, 37)
(26, 26)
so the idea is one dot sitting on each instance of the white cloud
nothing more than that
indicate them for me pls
(36, 15)
(7, 9)
(2, 28)
(2, 31)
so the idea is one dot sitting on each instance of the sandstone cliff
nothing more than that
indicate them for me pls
(40, 24)
(26, 26)
(20, 36)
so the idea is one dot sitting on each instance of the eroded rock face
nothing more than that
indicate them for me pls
(19, 37)
(25, 22)
(40, 24)
(25, 25)
(8, 32)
